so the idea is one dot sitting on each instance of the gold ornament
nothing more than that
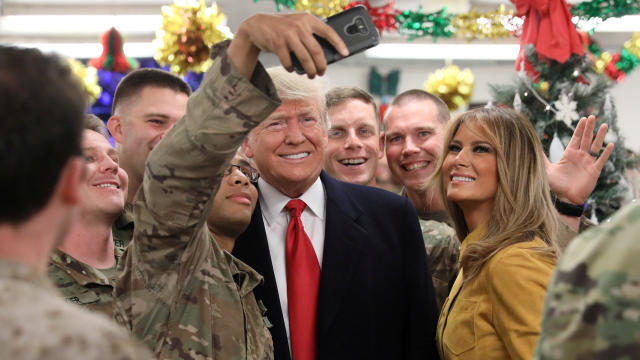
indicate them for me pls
(633, 45)
(489, 25)
(88, 76)
(321, 8)
(450, 84)
(602, 61)
(189, 28)
(544, 87)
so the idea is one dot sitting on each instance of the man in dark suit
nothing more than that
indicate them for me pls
(344, 265)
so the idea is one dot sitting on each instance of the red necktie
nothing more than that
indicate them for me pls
(303, 278)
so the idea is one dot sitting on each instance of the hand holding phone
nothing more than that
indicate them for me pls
(355, 28)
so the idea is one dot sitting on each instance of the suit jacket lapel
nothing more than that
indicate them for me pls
(342, 242)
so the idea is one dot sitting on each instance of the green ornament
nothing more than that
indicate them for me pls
(280, 3)
(627, 61)
(417, 24)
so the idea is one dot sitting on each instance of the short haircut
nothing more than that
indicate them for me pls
(132, 84)
(94, 123)
(291, 86)
(338, 95)
(42, 105)
(420, 95)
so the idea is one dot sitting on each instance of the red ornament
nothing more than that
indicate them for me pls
(383, 17)
(112, 57)
(612, 70)
(581, 79)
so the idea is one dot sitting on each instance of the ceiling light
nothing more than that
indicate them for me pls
(444, 51)
(91, 50)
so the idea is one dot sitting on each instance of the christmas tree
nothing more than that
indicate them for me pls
(554, 97)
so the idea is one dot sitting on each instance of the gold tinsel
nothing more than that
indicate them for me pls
(450, 84)
(189, 28)
(88, 76)
(474, 25)
(544, 87)
(602, 61)
(321, 8)
(633, 45)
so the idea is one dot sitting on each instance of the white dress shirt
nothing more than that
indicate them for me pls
(276, 220)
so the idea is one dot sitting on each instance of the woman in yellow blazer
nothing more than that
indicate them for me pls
(492, 175)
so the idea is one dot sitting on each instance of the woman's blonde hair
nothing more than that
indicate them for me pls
(522, 206)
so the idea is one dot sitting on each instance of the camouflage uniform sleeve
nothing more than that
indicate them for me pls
(182, 174)
(443, 250)
(592, 309)
(566, 234)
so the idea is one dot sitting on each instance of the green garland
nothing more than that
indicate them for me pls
(415, 24)
(605, 9)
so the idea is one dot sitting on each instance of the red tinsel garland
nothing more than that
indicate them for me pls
(383, 17)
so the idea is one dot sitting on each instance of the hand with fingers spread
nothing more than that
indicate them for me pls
(574, 177)
(282, 34)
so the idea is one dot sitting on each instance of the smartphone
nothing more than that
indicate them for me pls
(356, 29)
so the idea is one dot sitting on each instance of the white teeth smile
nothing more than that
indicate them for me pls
(415, 166)
(462, 178)
(108, 185)
(296, 156)
(357, 161)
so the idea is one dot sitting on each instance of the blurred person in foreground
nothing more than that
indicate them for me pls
(42, 171)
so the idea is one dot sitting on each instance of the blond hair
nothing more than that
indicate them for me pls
(292, 86)
(522, 206)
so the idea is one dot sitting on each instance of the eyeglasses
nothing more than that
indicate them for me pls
(246, 169)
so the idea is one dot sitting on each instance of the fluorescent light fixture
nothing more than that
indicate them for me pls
(444, 51)
(91, 50)
(78, 24)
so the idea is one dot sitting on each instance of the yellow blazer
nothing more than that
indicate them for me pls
(498, 314)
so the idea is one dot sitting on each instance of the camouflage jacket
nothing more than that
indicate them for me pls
(83, 284)
(443, 250)
(592, 308)
(122, 228)
(38, 325)
(178, 291)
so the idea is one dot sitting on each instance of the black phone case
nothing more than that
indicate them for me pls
(355, 28)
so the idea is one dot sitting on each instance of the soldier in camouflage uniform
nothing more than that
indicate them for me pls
(84, 264)
(353, 149)
(179, 291)
(355, 136)
(146, 104)
(414, 126)
(41, 177)
(443, 250)
(83, 284)
(593, 301)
